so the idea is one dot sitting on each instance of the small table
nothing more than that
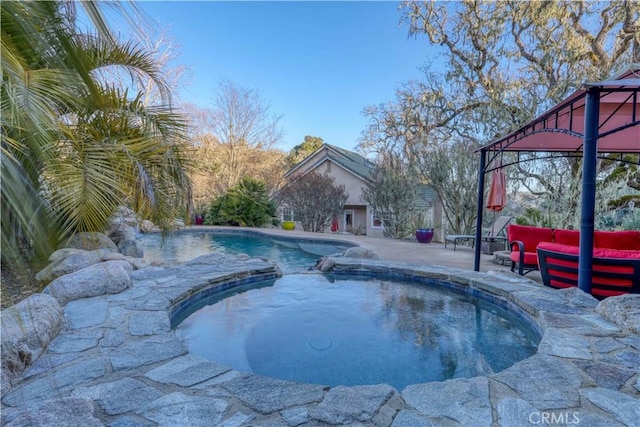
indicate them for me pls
(493, 244)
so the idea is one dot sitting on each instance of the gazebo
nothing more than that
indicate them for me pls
(601, 118)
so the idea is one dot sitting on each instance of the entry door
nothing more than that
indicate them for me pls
(348, 220)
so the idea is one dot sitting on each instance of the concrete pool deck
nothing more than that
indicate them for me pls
(116, 362)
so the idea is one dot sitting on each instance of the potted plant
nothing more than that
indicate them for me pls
(421, 227)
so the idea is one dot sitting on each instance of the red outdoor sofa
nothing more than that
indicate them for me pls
(616, 258)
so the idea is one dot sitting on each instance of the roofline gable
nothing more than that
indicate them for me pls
(333, 150)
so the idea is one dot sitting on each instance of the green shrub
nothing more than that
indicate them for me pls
(631, 221)
(533, 217)
(246, 205)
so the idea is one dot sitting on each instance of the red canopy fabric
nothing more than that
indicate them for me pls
(562, 127)
(498, 192)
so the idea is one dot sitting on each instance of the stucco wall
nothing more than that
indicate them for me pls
(371, 231)
(353, 185)
(359, 225)
(361, 218)
(321, 164)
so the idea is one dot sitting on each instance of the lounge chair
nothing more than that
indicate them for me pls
(495, 233)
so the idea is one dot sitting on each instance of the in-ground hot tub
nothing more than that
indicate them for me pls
(349, 331)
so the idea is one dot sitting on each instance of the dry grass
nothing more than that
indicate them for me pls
(16, 286)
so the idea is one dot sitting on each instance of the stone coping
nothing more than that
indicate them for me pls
(116, 362)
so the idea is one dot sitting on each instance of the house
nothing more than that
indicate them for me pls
(353, 170)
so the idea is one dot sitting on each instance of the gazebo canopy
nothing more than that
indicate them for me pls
(602, 117)
(562, 128)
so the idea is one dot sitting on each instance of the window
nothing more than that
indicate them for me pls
(287, 214)
(376, 221)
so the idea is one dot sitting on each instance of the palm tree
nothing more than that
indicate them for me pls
(74, 146)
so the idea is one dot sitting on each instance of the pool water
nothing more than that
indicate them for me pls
(309, 328)
(290, 255)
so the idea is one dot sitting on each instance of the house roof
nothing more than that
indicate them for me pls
(349, 160)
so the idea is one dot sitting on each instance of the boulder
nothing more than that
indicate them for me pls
(130, 248)
(121, 232)
(623, 310)
(75, 259)
(359, 252)
(176, 224)
(126, 216)
(125, 237)
(27, 329)
(325, 264)
(90, 241)
(63, 253)
(110, 277)
(138, 263)
(147, 226)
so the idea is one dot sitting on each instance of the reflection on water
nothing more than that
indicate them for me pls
(184, 246)
(307, 328)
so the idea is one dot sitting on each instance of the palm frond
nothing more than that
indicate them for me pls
(74, 147)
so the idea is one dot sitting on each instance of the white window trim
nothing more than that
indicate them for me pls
(378, 227)
(288, 211)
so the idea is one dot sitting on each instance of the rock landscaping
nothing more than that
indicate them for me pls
(96, 348)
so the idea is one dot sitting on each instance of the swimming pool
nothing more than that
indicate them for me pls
(291, 255)
(314, 329)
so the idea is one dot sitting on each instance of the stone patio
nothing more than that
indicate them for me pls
(116, 362)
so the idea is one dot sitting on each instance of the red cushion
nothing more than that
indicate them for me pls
(616, 253)
(528, 235)
(625, 240)
(557, 247)
(597, 252)
(567, 237)
(530, 258)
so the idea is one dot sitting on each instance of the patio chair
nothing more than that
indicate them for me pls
(495, 233)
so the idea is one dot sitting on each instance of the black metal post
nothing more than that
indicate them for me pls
(587, 211)
(483, 160)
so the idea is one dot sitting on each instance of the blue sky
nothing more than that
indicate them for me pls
(318, 63)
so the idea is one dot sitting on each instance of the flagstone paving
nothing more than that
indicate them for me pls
(116, 362)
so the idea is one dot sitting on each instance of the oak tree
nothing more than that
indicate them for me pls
(498, 66)
(304, 149)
